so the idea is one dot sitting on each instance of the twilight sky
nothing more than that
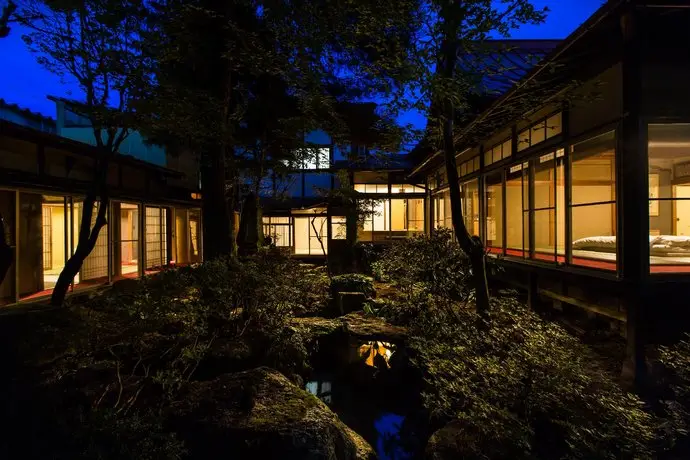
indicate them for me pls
(26, 83)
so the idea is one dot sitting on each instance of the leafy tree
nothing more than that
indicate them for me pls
(97, 44)
(448, 90)
(7, 11)
(213, 60)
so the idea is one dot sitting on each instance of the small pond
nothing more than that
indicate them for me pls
(369, 389)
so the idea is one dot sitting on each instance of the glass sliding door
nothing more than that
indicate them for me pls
(125, 240)
(156, 230)
(593, 202)
(310, 234)
(470, 205)
(415, 215)
(517, 210)
(95, 267)
(548, 211)
(181, 254)
(195, 255)
(47, 237)
(669, 198)
(494, 213)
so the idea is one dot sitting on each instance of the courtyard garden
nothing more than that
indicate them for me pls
(267, 357)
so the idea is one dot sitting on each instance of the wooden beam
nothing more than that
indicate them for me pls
(585, 305)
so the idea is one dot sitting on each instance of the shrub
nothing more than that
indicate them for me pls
(353, 282)
(123, 355)
(366, 255)
(523, 388)
(673, 393)
(432, 264)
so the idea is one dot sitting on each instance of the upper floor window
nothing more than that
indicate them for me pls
(498, 152)
(371, 188)
(315, 158)
(540, 131)
(468, 167)
(406, 188)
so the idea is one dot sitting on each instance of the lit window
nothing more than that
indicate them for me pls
(523, 140)
(507, 149)
(338, 228)
(538, 133)
(517, 211)
(406, 188)
(315, 157)
(371, 188)
(470, 206)
(498, 152)
(488, 157)
(593, 197)
(549, 207)
(279, 229)
(669, 197)
(494, 214)
(554, 125)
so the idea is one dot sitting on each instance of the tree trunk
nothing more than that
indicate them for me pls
(319, 237)
(217, 227)
(351, 225)
(5, 252)
(472, 246)
(87, 241)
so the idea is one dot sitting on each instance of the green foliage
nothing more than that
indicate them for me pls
(524, 388)
(673, 390)
(107, 436)
(353, 282)
(429, 264)
(117, 361)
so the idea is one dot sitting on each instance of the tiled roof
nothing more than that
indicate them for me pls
(26, 112)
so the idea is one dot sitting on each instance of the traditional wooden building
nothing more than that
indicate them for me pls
(154, 218)
(578, 177)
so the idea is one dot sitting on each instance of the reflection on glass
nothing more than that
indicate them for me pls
(389, 444)
(377, 354)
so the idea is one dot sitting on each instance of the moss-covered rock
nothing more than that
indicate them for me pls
(260, 414)
(356, 325)
(353, 282)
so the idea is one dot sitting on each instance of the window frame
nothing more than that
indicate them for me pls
(529, 129)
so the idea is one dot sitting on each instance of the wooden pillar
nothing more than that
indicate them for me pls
(533, 291)
(633, 222)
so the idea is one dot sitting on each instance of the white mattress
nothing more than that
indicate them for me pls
(660, 246)
(654, 260)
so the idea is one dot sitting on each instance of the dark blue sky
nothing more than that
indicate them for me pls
(26, 83)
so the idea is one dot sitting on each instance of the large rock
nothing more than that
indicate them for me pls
(356, 325)
(367, 327)
(260, 414)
